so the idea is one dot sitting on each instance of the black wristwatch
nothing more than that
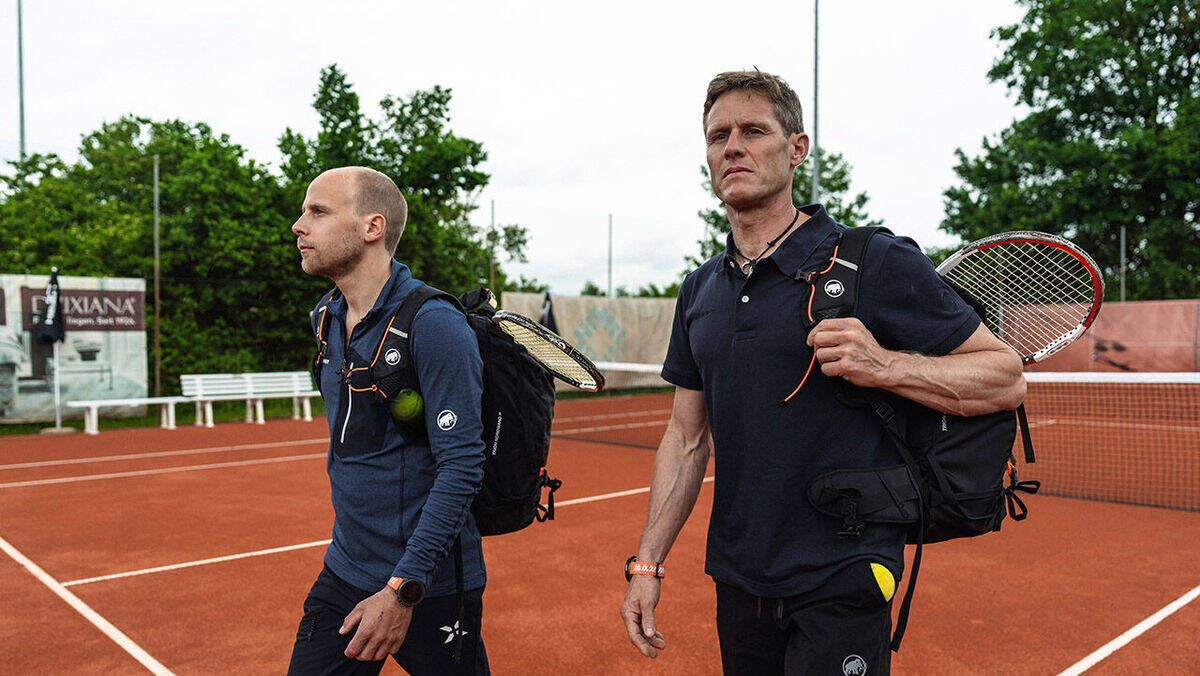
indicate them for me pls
(408, 592)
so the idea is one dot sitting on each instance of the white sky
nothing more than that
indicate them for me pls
(583, 109)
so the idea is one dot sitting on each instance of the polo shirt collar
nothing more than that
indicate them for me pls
(797, 248)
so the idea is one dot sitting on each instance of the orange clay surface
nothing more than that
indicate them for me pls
(1033, 599)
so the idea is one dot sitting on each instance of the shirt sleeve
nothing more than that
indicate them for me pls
(679, 367)
(906, 305)
(446, 357)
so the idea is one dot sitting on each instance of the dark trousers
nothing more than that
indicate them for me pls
(843, 627)
(428, 648)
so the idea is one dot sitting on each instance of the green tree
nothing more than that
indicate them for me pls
(839, 203)
(590, 289)
(232, 298)
(1112, 139)
(438, 171)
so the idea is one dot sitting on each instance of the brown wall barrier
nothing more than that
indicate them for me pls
(1137, 336)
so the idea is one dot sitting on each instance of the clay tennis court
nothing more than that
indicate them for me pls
(190, 552)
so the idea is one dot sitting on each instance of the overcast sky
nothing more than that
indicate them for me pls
(584, 109)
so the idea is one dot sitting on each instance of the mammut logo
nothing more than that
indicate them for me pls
(452, 632)
(446, 420)
(392, 357)
(854, 665)
(834, 288)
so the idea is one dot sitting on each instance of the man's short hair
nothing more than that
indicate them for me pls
(376, 193)
(774, 88)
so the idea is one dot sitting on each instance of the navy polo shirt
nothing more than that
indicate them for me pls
(743, 342)
(398, 505)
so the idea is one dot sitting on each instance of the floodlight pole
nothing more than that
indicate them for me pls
(21, 78)
(816, 147)
(157, 295)
(492, 251)
(610, 293)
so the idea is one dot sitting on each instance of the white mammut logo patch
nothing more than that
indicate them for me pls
(446, 420)
(854, 665)
(834, 288)
(392, 357)
(452, 632)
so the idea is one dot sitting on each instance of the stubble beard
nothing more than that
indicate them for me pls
(336, 260)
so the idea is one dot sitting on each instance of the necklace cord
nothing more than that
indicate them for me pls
(751, 262)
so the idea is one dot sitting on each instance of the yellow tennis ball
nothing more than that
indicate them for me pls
(883, 577)
(407, 405)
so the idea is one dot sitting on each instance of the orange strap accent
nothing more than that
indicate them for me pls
(383, 340)
(802, 380)
(395, 583)
(647, 568)
(811, 292)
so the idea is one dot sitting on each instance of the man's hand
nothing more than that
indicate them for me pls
(382, 623)
(845, 348)
(638, 613)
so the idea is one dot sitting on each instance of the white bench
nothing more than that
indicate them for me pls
(91, 410)
(205, 388)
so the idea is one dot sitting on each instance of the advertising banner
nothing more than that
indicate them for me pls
(634, 330)
(103, 355)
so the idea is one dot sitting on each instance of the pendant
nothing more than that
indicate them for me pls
(747, 268)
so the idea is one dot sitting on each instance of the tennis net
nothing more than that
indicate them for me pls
(1120, 437)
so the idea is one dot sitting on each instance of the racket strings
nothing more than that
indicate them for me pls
(1034, 294)
(552, 356)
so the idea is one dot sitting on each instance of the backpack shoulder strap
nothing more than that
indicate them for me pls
(320, 320)
(391, 366)
(835, 289)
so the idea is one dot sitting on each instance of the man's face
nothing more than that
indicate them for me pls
(328, 231)
(750, 156)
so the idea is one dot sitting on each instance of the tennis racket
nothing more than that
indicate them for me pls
(551, 351)
(1040, 292)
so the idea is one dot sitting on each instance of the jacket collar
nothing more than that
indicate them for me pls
(398, 276)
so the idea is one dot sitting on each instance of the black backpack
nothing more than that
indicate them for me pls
(951, 483)
(517, 408)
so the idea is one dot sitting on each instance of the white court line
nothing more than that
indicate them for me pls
(606, 416)
(239, 463)
(618, 494)
(163, 454)
(201, 562)
(164, 470)
(1130, 425)
(1138, 629)
(84, 609)
(609, 428)
(317, 543)
(276, 444)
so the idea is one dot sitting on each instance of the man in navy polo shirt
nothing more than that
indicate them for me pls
(792, 596)
(388, 586)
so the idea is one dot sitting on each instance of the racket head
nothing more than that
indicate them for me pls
(550, 350)
(1041, 292)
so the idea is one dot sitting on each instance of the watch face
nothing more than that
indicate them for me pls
(410, 592)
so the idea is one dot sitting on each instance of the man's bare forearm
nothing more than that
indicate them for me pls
(970, 383)
(679, 467)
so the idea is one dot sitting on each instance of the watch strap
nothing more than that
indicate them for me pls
(635, 567)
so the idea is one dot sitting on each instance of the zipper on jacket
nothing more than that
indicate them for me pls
(349, 405)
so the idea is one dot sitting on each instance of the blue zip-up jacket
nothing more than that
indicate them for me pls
(398, 505)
